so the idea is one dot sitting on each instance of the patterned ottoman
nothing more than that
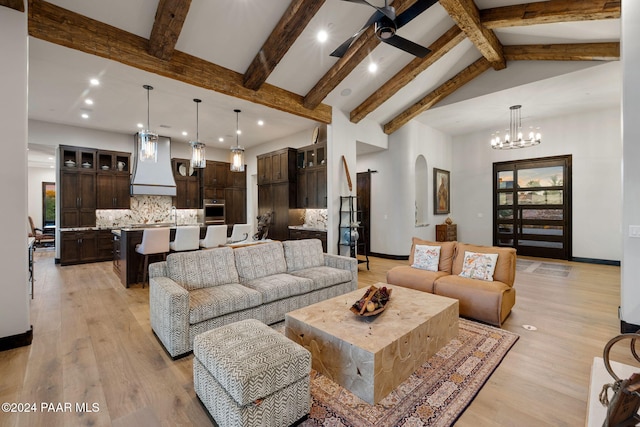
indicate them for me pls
(247, 374)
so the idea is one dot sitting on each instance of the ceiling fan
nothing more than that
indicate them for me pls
(386, 24)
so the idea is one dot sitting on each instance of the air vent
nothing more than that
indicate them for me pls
(165, 126)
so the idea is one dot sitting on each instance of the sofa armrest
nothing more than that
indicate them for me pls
(169, 314)
(344, 263)
(158, 269)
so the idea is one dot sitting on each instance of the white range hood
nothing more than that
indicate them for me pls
(153, 178)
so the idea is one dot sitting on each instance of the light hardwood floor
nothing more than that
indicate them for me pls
(93, 344)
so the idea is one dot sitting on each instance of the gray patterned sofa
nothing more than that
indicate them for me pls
(193, 292)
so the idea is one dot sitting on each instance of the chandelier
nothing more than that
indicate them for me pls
(147, 140)
(198, 159)
(237, 152)
(515, 138)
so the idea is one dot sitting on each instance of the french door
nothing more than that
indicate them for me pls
(532, 206)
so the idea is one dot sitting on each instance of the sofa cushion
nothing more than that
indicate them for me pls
(279, 286)
(478, 265)
(265, 259)
(301, 254)
(426, 257)
(505, 270)
(202, 269)
(488, 302)
(324, 277)
(207, 303)
(447, 251)
(413, 278)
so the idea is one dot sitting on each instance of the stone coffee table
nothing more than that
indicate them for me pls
(371, 356)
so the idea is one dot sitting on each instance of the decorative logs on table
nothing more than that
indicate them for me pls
(373, 302)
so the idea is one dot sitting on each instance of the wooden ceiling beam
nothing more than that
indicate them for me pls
(444, 90)
(465, 13)
(13, 4)
(439, 48)
(54, 24)
(546, 12)
(291, 24)
(358, 51)
(564, 52)
(170, 16)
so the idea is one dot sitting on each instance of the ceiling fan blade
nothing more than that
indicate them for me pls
(414, 10)
(407, 46)
(342, 49)
(388, 12)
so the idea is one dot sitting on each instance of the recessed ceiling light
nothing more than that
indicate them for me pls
(322, 36)
(50, 158)
(221, 139)
(84, 116)
(239, 132)
(94, 82)
(88, 101)
(184, 133)
(51, 167)
(260, 123)
(140, 125)
(373, 67)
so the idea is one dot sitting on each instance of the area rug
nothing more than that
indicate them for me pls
(435, 395)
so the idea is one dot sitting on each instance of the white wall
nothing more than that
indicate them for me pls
(630, 55)
(593, 140)
(393, 187)
(14, 292)
(36, 176)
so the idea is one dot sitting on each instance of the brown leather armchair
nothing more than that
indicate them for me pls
(38, 235)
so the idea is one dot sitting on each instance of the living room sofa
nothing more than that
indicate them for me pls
(488, 301)
(193, 292)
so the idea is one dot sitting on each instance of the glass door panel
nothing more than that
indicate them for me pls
(534, 216)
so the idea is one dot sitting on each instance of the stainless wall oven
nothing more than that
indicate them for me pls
(214, 211)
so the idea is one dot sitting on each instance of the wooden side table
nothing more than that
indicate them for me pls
(446, 232)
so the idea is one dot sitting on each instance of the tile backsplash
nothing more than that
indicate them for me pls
(315, 218)
(146, 210)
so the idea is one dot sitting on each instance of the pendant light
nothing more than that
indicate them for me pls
(198, 159)
(147, 140)
(514, 137)
(237, 152)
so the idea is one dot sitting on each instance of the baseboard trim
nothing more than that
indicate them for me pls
(15, 341)
(596, 261)
(628, 328)
(396, 257)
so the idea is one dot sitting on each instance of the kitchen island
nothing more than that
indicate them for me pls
(127, 263)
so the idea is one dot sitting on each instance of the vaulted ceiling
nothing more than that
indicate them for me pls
(263, 57)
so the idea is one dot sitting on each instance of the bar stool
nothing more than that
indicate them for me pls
(216, 236)
(240, 233)
(155, 241)
(187, 238)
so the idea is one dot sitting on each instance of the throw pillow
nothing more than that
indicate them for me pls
(426, 257)
(478, 266)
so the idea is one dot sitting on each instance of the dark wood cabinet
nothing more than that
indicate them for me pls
(77, 199)
(113, 191)
(312, 177)
(446, 232)
(216, 174)
(297, 234)
(236, 179)
(112, 180)
(116, 255)
(235, 205)
(277, 166)
(78, 247)
(312, 188)
(105, 245)
(188, 185)
(278, 193)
